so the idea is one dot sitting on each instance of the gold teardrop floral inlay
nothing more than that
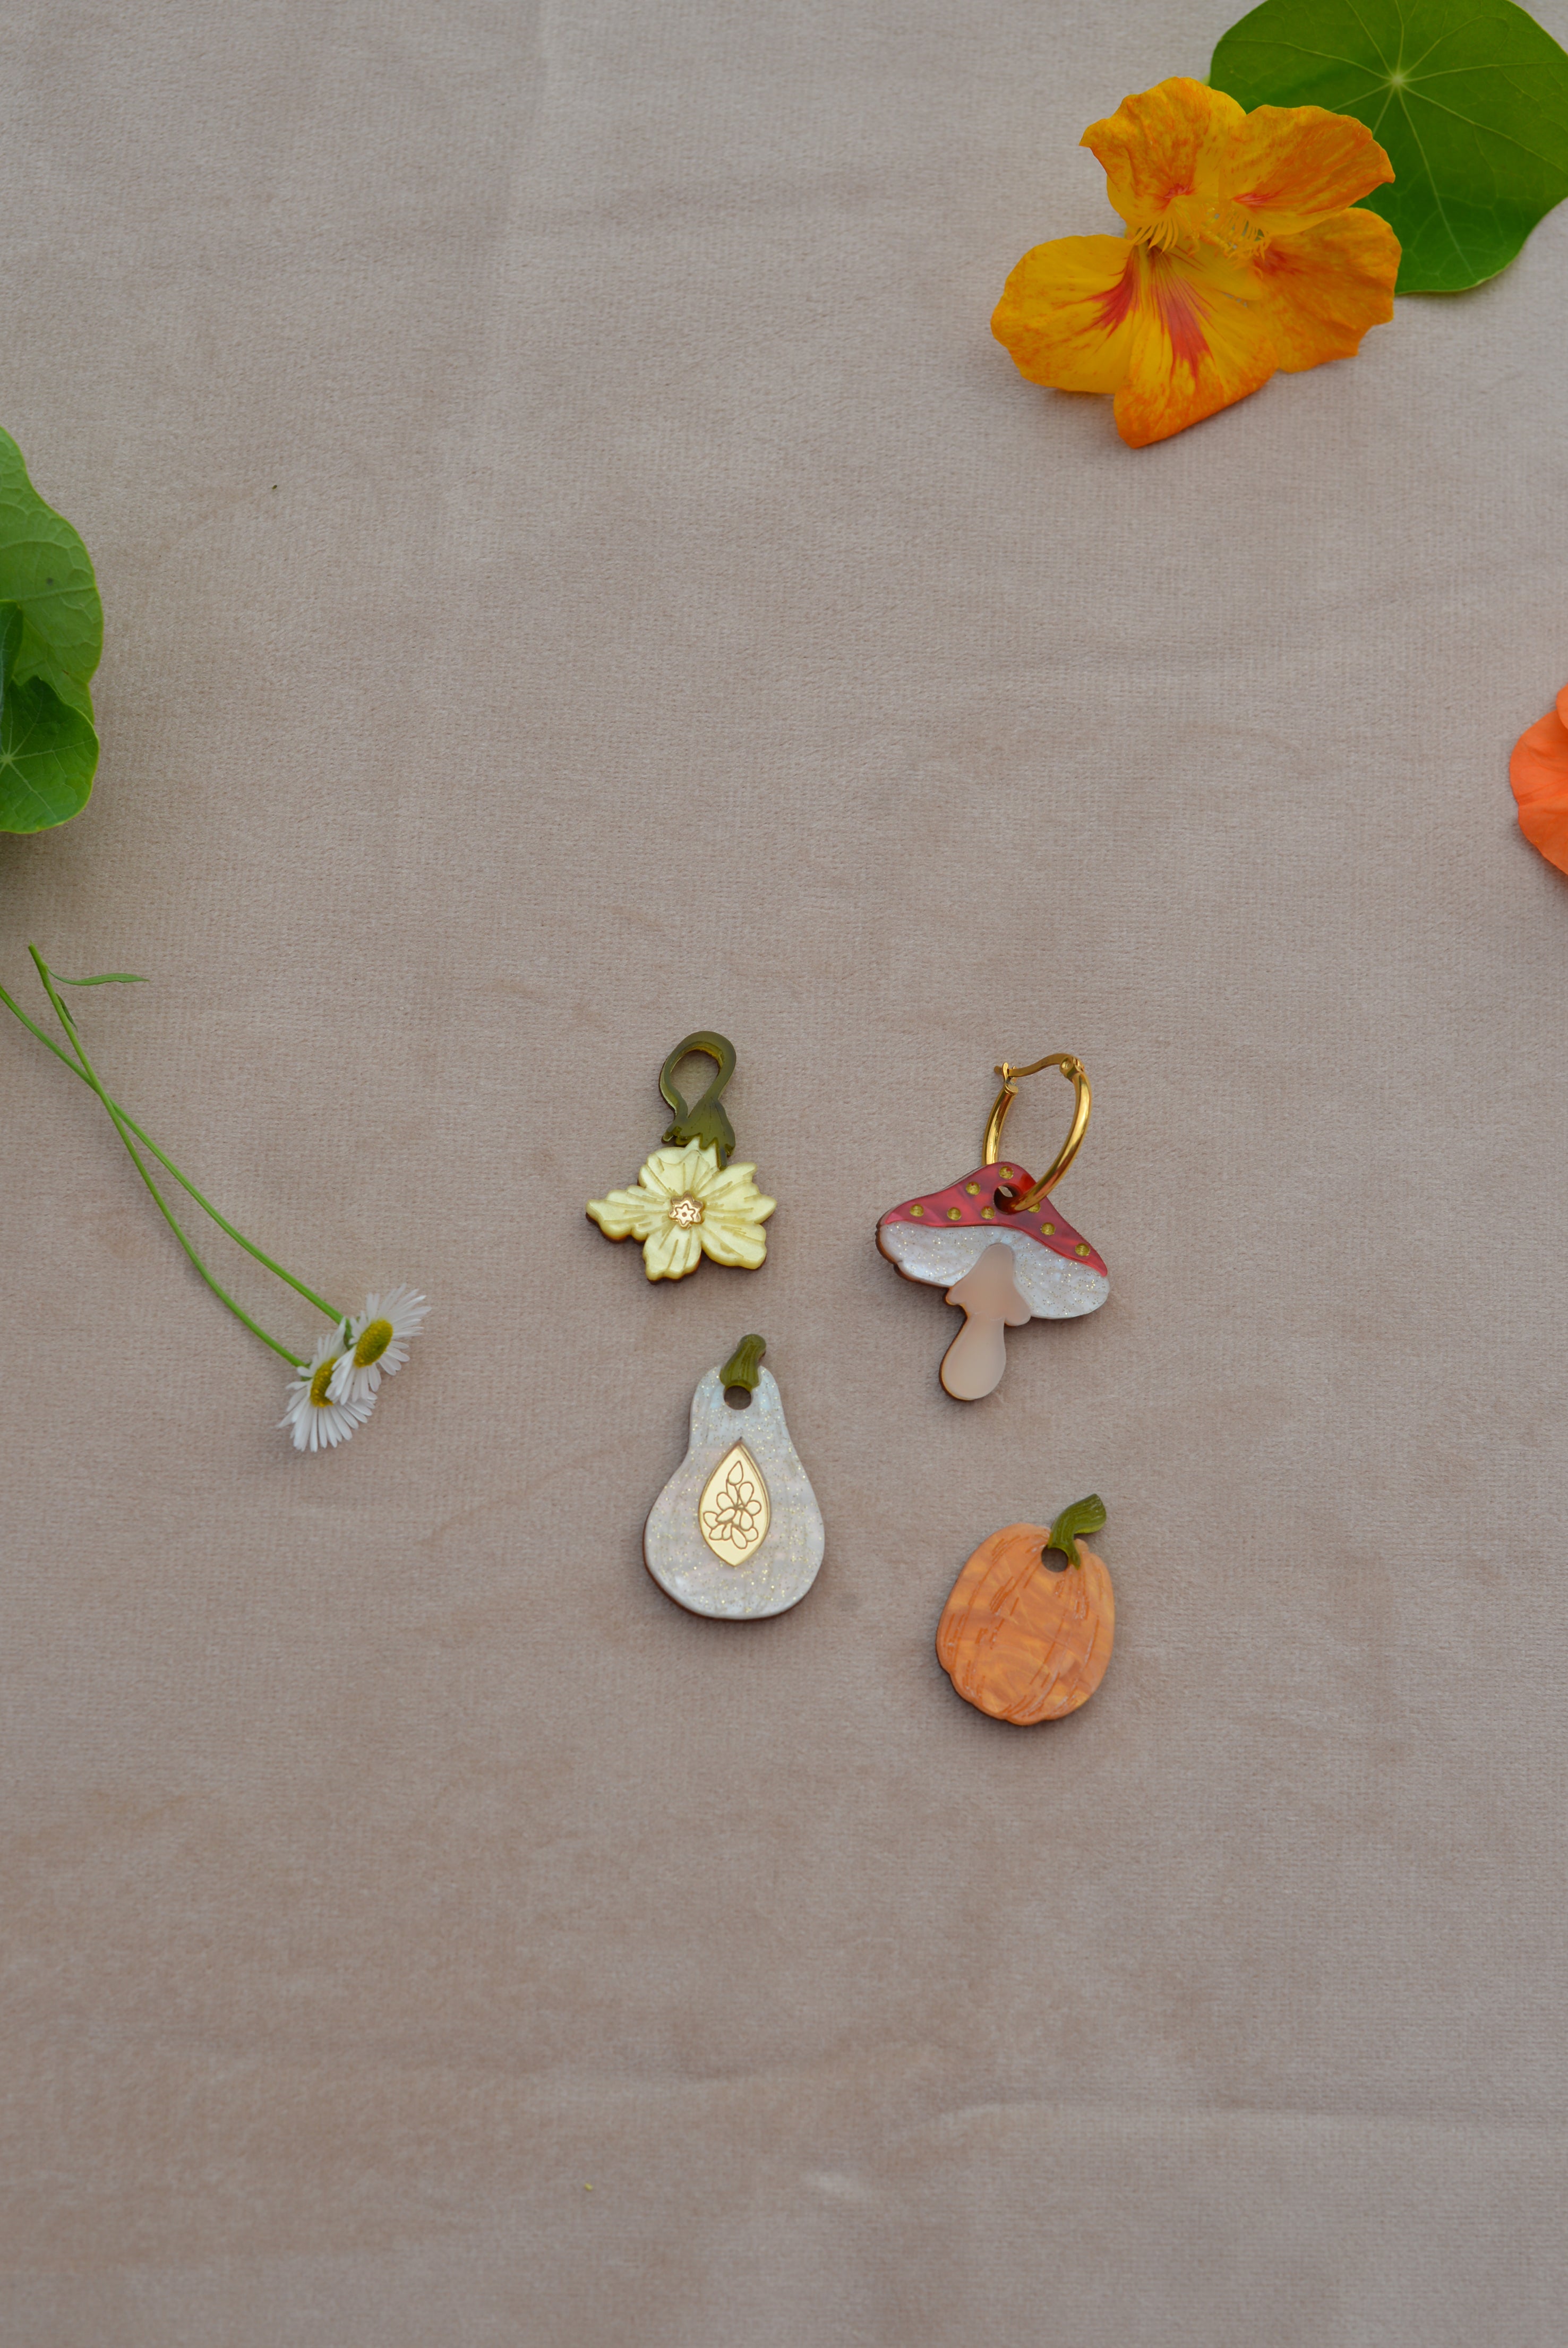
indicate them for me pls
(734, 1514)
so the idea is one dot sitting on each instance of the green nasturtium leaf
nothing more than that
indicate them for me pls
(48, 751)
(1469, 97)
(46, 570)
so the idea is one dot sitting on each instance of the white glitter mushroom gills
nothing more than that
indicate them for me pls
(376, 1343)
(1053, 1288)
(316, 1421)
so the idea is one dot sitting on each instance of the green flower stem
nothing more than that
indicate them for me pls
(184, 1181)
(90, 1078)
(708, 1123)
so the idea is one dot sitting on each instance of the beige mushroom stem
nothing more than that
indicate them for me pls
(974, 1363)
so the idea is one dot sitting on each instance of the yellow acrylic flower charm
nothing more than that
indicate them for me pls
(1243, 255)
(687, 1206)
(689, 1201)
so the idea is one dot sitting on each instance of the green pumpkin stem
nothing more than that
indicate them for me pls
(1083, 1517)
(744, 1368)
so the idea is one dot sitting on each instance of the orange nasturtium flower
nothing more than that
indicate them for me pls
(1241, 256)
(1539, 773)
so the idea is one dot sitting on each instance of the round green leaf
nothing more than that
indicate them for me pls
(1469, 97)
(48, 751)
(47, 572)
(48, 755)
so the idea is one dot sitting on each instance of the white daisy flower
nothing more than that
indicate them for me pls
(378, 1342)
(319, 1421)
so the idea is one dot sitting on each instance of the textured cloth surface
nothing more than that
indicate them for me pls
(578, 569)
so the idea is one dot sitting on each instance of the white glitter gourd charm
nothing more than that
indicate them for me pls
(736, 1532)
(688, 1200)
(999, 1247)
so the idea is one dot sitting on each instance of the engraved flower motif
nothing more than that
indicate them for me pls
(685, 1206)
(738, 1519)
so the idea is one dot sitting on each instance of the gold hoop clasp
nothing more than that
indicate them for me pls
(1072, 1068)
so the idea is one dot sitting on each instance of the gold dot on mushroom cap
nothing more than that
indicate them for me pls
(1047, 1226)
(917, 1210)
(1081, 1249)
(987, 1214)
(973, 1189)
(1006, 1173)
(955, 1214)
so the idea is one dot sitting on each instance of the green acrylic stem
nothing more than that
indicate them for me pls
(184, 1181)
(120, 1126)
(744, 1368)
(1083, 1517)
(707, 1123)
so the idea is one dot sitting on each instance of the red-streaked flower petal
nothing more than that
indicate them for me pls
(1197, 343)
(1293, 164)
(1165, 144)
(1321, 290)
(1063, 314)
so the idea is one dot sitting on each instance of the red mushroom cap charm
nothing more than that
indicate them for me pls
(1003, 1267)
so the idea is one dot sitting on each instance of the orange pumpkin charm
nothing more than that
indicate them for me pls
(1026, 1633)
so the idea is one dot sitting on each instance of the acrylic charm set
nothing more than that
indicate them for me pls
(736, 1532)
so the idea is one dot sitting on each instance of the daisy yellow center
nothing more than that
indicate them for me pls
(686, 1212)
(322, 1380)
(374, 1340)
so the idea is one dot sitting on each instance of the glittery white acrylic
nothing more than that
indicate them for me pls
(737, 1531)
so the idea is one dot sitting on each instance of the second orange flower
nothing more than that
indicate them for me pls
(1243, 255)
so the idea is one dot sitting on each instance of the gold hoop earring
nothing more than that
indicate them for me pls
(1072, 1068)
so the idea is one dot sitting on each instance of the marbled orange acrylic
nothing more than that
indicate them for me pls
(1020, 1641)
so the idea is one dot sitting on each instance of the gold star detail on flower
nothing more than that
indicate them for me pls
(685, 1206)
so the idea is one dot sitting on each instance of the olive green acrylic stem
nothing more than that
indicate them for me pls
(1083, 1517)
(119, 1125)
(707, 1122)
(184, 1181)
(744, 1366)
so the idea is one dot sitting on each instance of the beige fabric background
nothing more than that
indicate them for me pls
(577, 569)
